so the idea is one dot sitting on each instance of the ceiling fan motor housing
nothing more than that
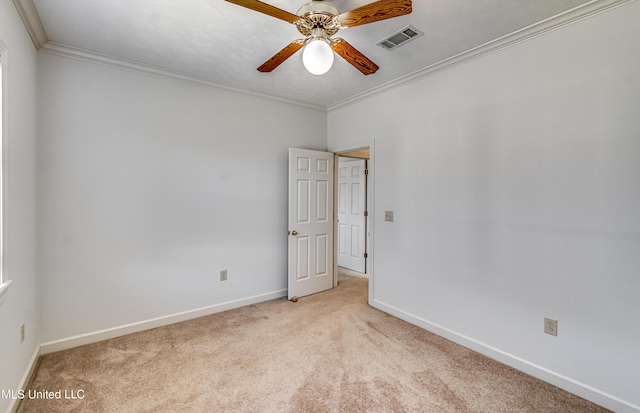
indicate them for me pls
(317, 15)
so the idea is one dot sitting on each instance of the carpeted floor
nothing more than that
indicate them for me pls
(329, 352)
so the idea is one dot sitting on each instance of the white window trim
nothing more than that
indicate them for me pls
(4, 282)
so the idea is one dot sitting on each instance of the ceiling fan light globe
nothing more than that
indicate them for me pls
(317, 57)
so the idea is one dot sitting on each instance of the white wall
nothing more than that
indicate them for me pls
(19, 304)
(148, 187)
(515, 181)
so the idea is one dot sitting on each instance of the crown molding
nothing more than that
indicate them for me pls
(566, 18)
(111, 61)
(29, 14)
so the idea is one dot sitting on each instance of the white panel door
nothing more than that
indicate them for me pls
(351, 218)
(310, 222)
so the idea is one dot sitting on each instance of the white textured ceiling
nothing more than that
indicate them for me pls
(222, 43)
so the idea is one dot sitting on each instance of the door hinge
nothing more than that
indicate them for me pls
(366, 172)
(366, 255)
(366, 213)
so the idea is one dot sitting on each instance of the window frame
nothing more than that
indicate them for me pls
(4, 281)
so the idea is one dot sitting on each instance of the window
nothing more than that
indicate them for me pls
(4, 283)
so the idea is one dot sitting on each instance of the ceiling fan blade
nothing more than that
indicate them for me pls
(373, 12)
(281, 56)
(267, 9)
(353, 56)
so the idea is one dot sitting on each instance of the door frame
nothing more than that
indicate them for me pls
(370, 239)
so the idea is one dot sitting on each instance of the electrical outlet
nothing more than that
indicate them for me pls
(551, 326)
(223, 275)
(22, 333)
(388, 216)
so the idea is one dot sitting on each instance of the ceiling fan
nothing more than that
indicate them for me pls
(317, 21)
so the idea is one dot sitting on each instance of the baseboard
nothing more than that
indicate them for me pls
(81, 340)
(563, 382)
(26, 378)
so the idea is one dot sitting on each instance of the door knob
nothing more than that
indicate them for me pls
(294, 232)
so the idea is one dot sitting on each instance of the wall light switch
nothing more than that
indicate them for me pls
(388, 216)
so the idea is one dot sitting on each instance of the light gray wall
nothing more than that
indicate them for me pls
(19, 304)
(148, 187)
(515, 182)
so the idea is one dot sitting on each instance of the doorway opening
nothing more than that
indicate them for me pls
(313, 219)
(353, 210)
(352, 213)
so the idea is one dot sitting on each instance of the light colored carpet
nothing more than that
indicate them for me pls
(329, 352)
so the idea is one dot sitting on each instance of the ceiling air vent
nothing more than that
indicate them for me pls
(400, 37)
